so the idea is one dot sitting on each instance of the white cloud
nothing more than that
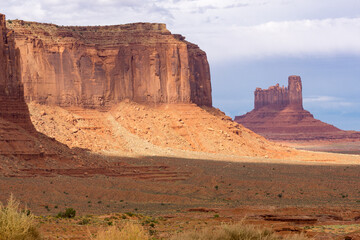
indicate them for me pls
(288, 38)
(226, 30)
(330, 103)
(321, 99)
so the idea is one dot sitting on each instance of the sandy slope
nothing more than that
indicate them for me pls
(146, 130)
(173, 130)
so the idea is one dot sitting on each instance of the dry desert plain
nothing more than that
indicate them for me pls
(173, 189)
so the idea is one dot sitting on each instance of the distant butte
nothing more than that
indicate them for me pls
(279, 115)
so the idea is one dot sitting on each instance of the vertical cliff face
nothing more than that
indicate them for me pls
(99, 66)
(12, 105)
(276, 97)
(295, 92)
(200, 83)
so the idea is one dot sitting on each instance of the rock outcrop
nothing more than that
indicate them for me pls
(279, 115)
(16, 129)
(277, 97)
(95, 67)
(18, 138)
(12, 105)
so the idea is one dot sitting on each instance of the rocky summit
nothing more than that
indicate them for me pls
(100, 66)
(279, 115)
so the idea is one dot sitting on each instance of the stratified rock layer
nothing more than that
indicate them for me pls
(16, 129)
(99, 66)
(12, 105)
(279, 115)
(18, 138)
(277, 98)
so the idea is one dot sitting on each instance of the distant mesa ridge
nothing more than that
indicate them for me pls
(277, 97)
(99, 66)
(278, 114)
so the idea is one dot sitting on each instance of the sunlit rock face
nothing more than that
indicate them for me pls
(94, 67)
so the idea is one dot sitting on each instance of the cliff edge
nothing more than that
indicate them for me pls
(12, 105)
(16, 129)
(19, 139)
(99, 66)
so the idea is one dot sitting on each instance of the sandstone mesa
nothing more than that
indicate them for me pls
(96, 67)
(143, 84)
(279, 115)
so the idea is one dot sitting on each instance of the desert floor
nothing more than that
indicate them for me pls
(318, 197)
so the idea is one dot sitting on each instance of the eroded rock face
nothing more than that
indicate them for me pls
(279, 115)
(99, 66)
(12, 105)
(16, 130)
(276, 97)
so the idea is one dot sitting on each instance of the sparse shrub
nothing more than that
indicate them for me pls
(16, 224)
(130, 214)
(234, 232)
(84, 221)
(69, 213)
(130, 231)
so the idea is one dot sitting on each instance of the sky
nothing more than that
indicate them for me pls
(249, 44)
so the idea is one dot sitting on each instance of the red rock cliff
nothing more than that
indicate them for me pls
(99, 66)
(279, 115)
(277, 97)
(12, 105)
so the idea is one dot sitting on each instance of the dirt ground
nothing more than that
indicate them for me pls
(344, 146)
(187, 192)
(184, 166)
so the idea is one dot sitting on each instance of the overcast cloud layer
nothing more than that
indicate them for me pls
(249, 43)
(253, 28)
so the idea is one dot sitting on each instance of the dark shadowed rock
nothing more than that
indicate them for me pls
(12, 105)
